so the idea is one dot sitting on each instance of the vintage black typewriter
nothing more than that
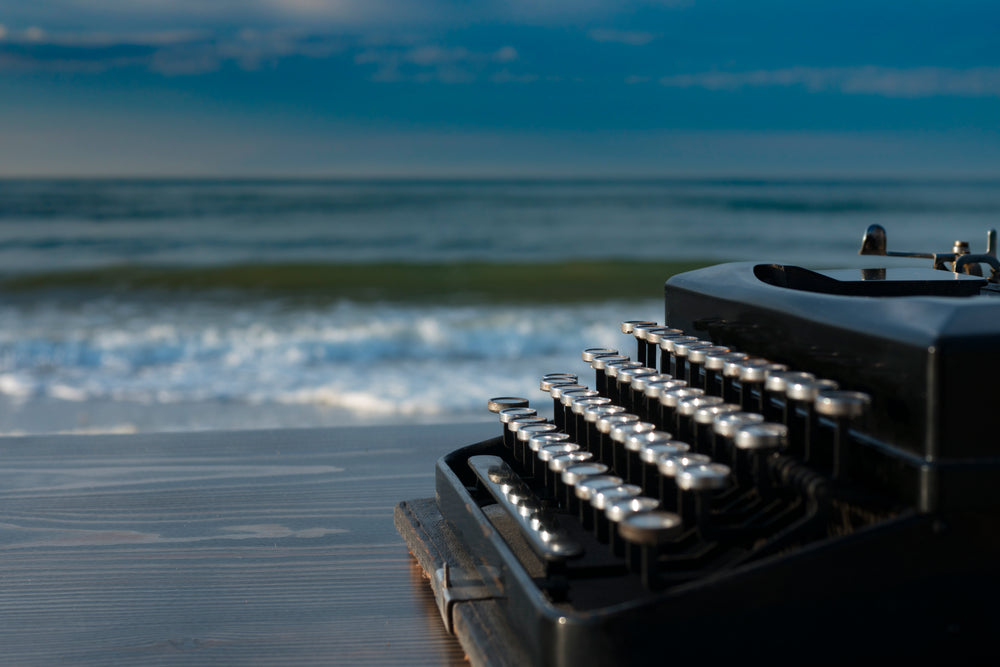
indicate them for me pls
(799, 466)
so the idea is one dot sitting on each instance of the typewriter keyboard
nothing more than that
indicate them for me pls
(685, 460)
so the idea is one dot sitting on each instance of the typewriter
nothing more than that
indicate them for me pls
(798, 466)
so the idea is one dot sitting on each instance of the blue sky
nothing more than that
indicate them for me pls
(439, 87)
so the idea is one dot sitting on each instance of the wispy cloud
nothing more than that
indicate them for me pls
(178, 52)
(629, 37)
(429, 62)
(882, 81)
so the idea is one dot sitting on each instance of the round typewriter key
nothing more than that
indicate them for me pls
(555, 378)
(611, 372)
(599, 363)
(669, 466)
(585, 488)
(650, 453)
(547, 453)
(556, 391)
(668, 404)
(649, 531)
(752, 378)
(696, 364)
(616, 511)
(844, 408)
(523, 435)
(605, 448)
(577, 407)
(634, 442)
(668, 363)
(572, 475)
(617, 435)
(601, 498)
(640, 383)
(800, 416)
(501, 402)
(703, 421)
(684, 413)
(716, 383)
(775, 387)
(629, 325)
(559, 463)
(758, 441)
(507, 415)
(681, 351)
(591, 352)
(641, 333)
(697, 484)
(566, 399)
(624, 379)
(725, 427)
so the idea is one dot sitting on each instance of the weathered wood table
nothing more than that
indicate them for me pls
(258, 547)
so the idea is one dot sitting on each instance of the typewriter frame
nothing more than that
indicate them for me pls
(917, 583)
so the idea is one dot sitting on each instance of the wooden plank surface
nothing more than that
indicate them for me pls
(261, 547)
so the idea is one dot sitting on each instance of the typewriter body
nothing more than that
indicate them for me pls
(797, 465)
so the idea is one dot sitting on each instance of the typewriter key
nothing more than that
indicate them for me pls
(668, 363)
(591, 414)
(556, 391)
(697, 484)
(715, 365)
(557, 464)
(591, 352)
(567, 399)
(844, 407)
(650, 531)
(696, 364)
(628, 327)
(684, 413)
(580, 430)
(502, 402)
(611, 370)
(605, 447)
(572, 475)
(752, 378)
(514, 425)
(799, 413)
(668, 404)
(725, 427)
(775, 387)
(599, 363)
(681, 351)
(640, 331)
(616, 511)
(624, 378)
(704, 418)
(669, 466)
(653, 338)
(583, 491)
(523, 435)
(760, 441)
(650, 454)
(546, 453)
(638, 387)
(618, 434)
(552, 378)
(599, 501)
(506, 416)
(634, 443)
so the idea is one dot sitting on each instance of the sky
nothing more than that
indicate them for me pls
(498, 88)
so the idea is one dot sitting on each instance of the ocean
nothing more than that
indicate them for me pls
(165, 305)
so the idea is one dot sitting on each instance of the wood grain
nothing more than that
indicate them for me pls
(260, 547)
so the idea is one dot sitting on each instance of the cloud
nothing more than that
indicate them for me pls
(177, 52)
(629, 37)
(870, 80)
(425, 63)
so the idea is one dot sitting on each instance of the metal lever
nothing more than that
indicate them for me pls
(874, 243)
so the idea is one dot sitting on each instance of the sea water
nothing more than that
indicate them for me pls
(74, 359)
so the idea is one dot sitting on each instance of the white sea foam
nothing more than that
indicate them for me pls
(369, 360)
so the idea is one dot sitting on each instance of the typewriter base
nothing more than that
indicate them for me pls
(475, 618)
